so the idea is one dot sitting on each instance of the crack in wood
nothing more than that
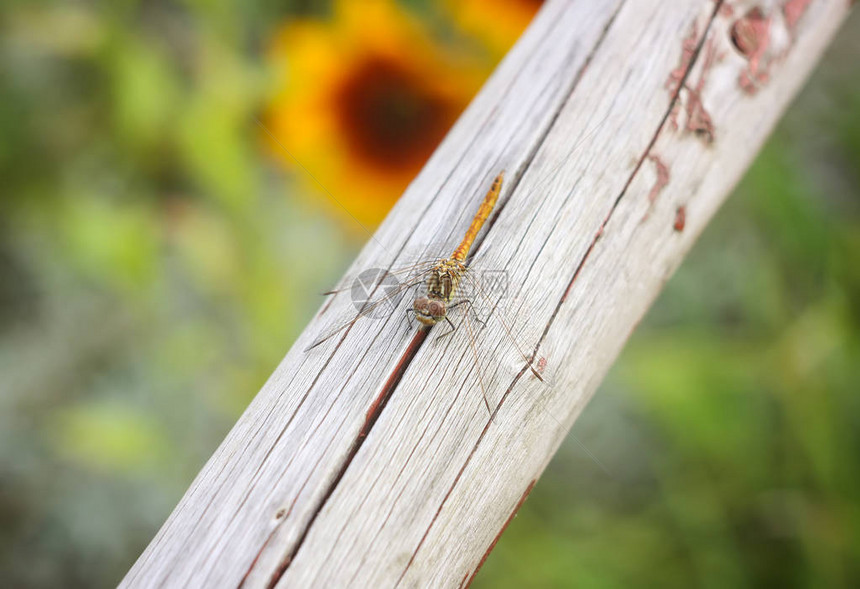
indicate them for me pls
(666, 117)
(371, 417)
(661, 182)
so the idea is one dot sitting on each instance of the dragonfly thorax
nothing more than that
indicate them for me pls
(444, 278)
(441, 285)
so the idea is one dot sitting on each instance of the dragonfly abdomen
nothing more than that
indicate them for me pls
(480, 218)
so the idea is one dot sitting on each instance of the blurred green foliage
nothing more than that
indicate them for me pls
(154, 267)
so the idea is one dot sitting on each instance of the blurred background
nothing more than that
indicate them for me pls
(158, 255)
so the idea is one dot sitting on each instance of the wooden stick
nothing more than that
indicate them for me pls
(370, 460)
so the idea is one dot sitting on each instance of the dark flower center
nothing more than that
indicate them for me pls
(531, 5)
(389, 117)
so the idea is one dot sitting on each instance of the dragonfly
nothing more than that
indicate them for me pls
(443, 282)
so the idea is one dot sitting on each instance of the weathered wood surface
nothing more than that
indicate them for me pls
(622, 125)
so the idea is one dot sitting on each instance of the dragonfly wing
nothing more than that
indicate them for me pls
(486, 298)
(376, 277)
(385, 303)
(471, 332)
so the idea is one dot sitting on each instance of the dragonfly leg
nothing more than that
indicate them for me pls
(471, 308)
(409, 317)
(449, 332)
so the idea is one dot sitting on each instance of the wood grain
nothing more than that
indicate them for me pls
(371, 459)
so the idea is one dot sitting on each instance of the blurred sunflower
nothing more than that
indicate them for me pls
(363, 100)
(497, 23)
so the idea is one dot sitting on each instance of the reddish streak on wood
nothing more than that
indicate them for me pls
(504, 527)
(688, 49)
(257, 557)
(752, 37)
(680, 219)
(750, 34)
(662, 181)
(373, 412)
(689, 53)
(378, 404)
(698, 120)
(793, 10)
(584, 258)
(677, 75)
(463, 580)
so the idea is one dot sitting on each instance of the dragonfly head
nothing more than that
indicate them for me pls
(429, 311)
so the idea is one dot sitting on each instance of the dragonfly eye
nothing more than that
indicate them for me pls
(420, 306)
(436, 309)
(428, 311)
(423, 308)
